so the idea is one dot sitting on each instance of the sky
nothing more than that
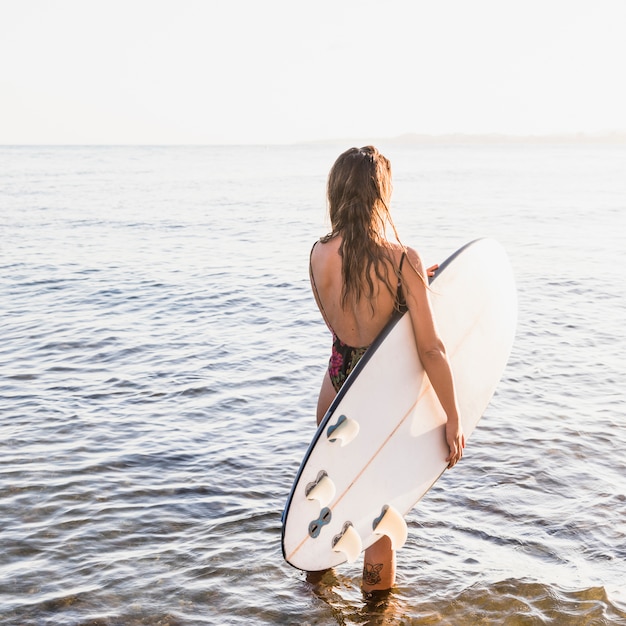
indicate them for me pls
(285, 71)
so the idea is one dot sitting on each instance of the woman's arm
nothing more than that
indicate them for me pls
(432, 351)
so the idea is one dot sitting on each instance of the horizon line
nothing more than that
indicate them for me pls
(609, 136)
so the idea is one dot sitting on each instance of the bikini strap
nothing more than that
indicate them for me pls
(400, 303)
(316, 292)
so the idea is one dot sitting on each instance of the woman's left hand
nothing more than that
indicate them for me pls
(432, 269)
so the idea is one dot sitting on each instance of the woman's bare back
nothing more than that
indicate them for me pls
(359, 323)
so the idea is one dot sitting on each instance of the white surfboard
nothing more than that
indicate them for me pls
(381, 444)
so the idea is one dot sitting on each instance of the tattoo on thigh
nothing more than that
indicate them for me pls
(371, 573)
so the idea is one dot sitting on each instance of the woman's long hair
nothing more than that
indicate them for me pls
(359, 191)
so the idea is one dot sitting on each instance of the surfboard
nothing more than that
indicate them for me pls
(381, 445)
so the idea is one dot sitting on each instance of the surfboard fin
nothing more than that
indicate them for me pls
(348, 542)
(321, 489)
(392, 524)
(345, 430)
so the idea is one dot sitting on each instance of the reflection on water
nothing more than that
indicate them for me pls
(345, 606)
(506, 602)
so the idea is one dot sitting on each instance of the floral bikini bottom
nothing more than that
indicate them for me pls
(343, 360)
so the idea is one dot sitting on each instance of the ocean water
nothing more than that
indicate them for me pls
(161, 355)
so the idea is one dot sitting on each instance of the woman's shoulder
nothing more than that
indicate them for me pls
(324, 256)
(325, 245)
(413, 261)
(411, 254)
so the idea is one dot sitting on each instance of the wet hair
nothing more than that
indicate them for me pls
(359, 192)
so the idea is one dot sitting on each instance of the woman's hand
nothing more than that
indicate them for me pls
(432, 269)
(456, 442)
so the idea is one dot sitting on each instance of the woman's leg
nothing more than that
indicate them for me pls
(327, 395)
(379, 566)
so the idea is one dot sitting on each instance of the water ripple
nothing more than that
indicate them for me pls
(159, 368)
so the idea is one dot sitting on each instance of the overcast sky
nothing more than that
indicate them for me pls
(281, 71)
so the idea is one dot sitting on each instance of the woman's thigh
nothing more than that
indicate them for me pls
(327, 395)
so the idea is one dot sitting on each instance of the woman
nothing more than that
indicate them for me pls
(359, 278)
